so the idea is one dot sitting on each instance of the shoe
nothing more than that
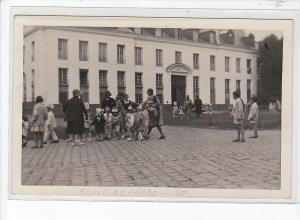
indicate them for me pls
(129, 139)
(34, 147)
(55, 141)
(81, 143)
(256, 136)
(44, 142)
(69, 140)
(236, 140)
(242, 140)
(162, 137)
(41, 146)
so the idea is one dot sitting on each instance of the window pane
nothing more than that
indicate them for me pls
(120, 53)
(227, 64)
(196, 60)
(62, 49)
(138, 56)
(102, 52)
(238, 65)
(158, 57)
(212, 63)
(83, 50)
(212, 91)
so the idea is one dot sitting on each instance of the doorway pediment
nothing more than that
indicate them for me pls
(179, 68)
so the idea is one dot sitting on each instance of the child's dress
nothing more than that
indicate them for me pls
(253, 114)
(50, 126)
(99, 124)
(39, 118)
(238, 112)
(108, 124)
(175, 111)
(181, 113)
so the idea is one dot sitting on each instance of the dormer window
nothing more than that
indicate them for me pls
(230, 37)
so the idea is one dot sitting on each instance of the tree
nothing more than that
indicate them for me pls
(270, 68)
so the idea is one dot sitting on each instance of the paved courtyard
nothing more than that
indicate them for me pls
(188, 157)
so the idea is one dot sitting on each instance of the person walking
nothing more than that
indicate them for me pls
(50, 126)
(39, 117)
(198, 106)
(154, 109)
(238, 116)
(75, 112)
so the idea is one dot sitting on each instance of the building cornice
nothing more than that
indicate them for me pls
(152, 38)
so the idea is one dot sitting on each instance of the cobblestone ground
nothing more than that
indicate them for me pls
(189, 157)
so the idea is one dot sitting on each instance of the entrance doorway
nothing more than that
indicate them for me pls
(178, 84)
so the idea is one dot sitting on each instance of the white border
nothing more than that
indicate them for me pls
(78, 210)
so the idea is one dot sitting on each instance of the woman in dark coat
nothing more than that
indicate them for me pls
(198, 106)
(108, 101)
(74, 113)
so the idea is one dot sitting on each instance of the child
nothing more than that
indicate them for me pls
(253, 116)
(25, 128)
(99, 123)
(50, 126)
(129, 122)
(175, 111)
(138, 128)
(181, 112)
(238, 116)
(87, 130)
(108, 122)
(39, 117)
(116, 122)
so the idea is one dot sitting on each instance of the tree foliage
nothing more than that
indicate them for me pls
(270, 68)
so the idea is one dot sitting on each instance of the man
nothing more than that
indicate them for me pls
(187, 106)
(74, 114)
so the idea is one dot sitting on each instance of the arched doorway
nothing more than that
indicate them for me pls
(179, 72)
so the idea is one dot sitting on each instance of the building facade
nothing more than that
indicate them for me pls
(174, 62)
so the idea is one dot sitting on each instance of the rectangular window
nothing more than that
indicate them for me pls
(121, 82)
(138, 88)
(103, 86)
(62, 49)
(249, 70)
(120, 53)
(84, 84)
(238, 65)
(32, 84)
(212, 90)
(179, 33)
(178, 57)
(212, 63)
(227, 91)
(196, 60)
(83, 50)
(102, 52)
(248, 90)
(227, 64)
(63, 86)
(159, 87)
(238, 85)
(196, 86)
(138, 55)
(32, 51)
(159, 57)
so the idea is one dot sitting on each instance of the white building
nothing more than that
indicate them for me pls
(174, 62)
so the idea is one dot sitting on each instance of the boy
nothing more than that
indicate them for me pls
(99, 123)
(50, 126)
(253, 116)
(108, 122)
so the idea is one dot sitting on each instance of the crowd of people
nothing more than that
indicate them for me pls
(121, 118)
(118, 118)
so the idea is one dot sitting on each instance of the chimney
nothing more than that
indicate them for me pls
(195, 35)
(137, 30)
(158, 32)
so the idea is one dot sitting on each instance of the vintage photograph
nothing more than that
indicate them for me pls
(151, 107)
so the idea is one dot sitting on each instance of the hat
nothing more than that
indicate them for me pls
(99, 110)
(50, 106)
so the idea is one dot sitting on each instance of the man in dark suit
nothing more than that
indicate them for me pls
(75, 111)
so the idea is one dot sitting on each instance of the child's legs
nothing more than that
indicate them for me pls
(40, 138)
(47, 134)
(255, 129)
(238, 128)
(242, 130)
(160, 130)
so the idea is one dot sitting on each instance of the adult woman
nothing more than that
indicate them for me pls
(39, 117)
(238, 116)
(108, 101)
(198, 106)
(75, 112)
(153, 107)
(187, 106)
